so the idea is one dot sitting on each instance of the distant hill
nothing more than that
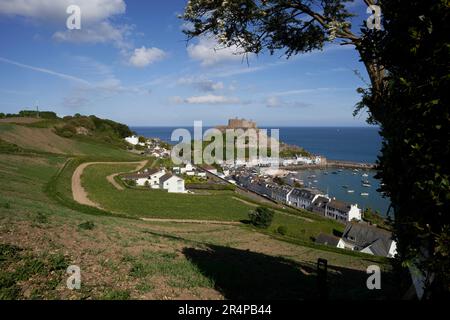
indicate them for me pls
(75, 135)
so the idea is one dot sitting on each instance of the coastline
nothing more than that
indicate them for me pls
(334, 164)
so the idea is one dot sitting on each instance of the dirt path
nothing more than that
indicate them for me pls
(111, 177)
(233, 223)
(79, 194)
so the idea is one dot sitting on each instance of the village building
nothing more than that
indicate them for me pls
(280, 193)
(148, 178)
(134, 140)
(368, 239)
(336, 209)
(302, 198)
(342, 211)
(327, 240)
(172, 183)
(319, 205)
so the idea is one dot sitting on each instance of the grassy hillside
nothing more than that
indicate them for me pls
(123, 258)
(42, 231)
(44, 139)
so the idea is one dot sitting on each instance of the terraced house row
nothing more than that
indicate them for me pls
(302, 198)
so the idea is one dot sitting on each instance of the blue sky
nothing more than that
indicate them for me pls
(130, 63)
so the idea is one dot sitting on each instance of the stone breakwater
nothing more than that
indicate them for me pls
(333, 164)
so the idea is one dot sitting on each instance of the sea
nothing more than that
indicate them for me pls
(355, 144)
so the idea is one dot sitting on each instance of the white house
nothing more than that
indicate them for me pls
(140, 178)
(368, 239)
(154, 177)
(342, 211)
(304, 160)
(280, 193)
(171, 183)
(302, 198)
(201, 174)
(148, 177)
(187, 168)
(289, 162)
(134, 140)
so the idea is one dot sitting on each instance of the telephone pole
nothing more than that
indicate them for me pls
(37, 109)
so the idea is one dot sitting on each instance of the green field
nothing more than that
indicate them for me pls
(217, 205)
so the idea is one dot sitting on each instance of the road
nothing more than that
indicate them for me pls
(79, 193)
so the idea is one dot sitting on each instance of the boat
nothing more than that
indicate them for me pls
(366, 185)
(365, 175)
(350, 191)
(345, 186)
(364, 194)
(315, 181)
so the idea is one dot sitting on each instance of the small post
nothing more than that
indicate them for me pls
(322, 265)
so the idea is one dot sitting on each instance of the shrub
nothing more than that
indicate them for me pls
(131, 183)
(88, 225)
(117, 295)
(41, 218)
(6, 205)
(282, 230)
(57, 262)
(262, 217)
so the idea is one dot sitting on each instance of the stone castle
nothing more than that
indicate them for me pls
(241, 124)
(237, 123)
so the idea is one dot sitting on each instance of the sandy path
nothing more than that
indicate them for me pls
(79, 194)
(111, 177)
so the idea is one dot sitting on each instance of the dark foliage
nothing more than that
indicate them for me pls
(261, 217)
(413, 110)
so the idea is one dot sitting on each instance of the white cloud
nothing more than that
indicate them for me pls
(101, 32)
(55, 11)
(201, 84)
(206, 99)
(45, 70)
(142, 57)
(210, 53)
(277, 102)
(273, 102)
(97, 21)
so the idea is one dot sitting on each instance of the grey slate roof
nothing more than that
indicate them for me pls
(306, 194)
(140, 175)
(320, 202)
(165, 177)
(363, 235)
(339, 205)
(327, 239)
